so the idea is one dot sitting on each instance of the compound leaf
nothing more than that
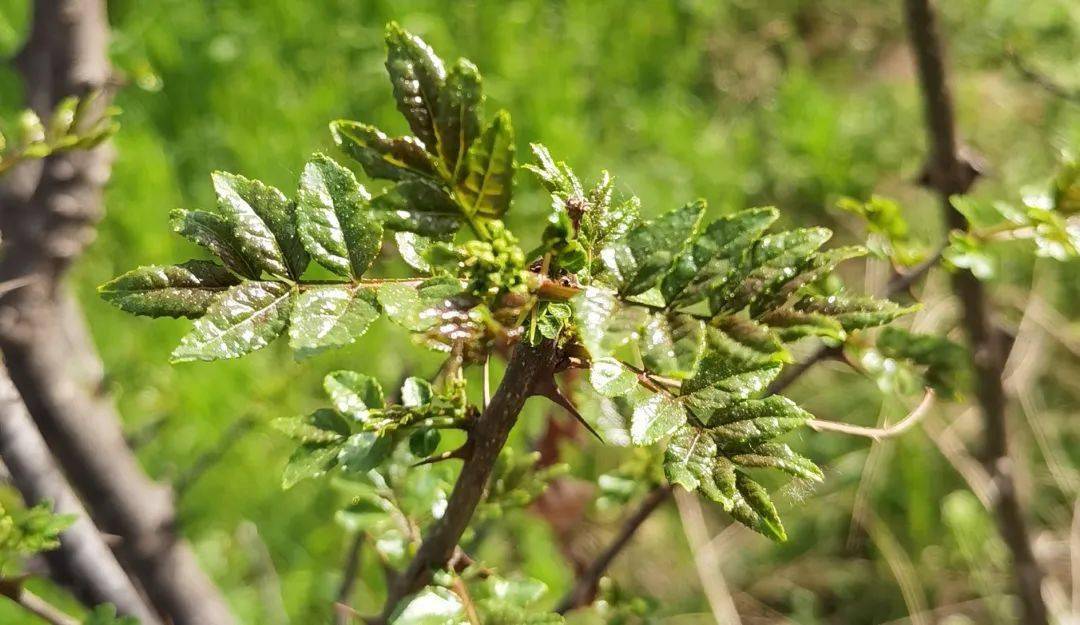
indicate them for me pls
(184, 290)
(245, 318)
(335, 226)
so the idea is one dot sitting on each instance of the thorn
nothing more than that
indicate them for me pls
(547, 387)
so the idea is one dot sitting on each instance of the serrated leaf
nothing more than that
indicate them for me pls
(330, 316)
(754, 508)
(364, 451)
(245, 318)
(816, 267)
(719, 249)
(334, 223)
(458, 115)
(418, 206)
(353, 394)
(779, 456)
(610, 378)
(417, 75)
(640, 259)
(184, 290)
(745, 338)
(308, 461)
(671, 344)
(855, 313)
(655, 418)
(218, 235)
(772, 260)
(690, 458)
(381, 156)
(722, 379)
(263, 218)
(755, 421)
(320, 427)
(488, 177)
(791, 324)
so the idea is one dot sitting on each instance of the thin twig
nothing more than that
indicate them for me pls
(1041, 80)
(15, 283)
(14, 590)
(878, 434)
(236, 430)
(348, 580)
(584, 588)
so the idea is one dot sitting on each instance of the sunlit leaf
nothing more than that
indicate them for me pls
(245, 318)
(184, 290)
(330, 316)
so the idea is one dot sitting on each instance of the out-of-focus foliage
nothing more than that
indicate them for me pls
(784, 102)
(75, 124)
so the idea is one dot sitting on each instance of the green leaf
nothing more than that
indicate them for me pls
(333, 221)
(218, 235)
(745, 338)
(320, 427)
(722, 379)
(855, 313)
(308, 461)
(488, 178)
(417, 75)
(655, 418)
(184, 290)
(424, 441)
(105, 614)
(772, 261)
(263, 218)
(353, 394)
(330, 316)
(753, 508)
(610, 378)
(604, 322)
(690, 458)
(413, 249)
(458, 115)
(245, 318)
(409, 305)
(755, 421)
(708, 263)
(418, 206)
(552, 319)
(967, 252)
(430, 606)
(381, 156)
(416, 392)
(791, 324)
(779, 456)
(671, 344)
(364, 451)
(640, 259)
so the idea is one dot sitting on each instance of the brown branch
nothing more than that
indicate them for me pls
(349, 573)
(83, 562)
(584, 589)
(948, 174)
(49, 213)
(877, 434)
(527, 366)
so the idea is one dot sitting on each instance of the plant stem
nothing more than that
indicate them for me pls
(526, 367)
(34, 604)
(949, 175)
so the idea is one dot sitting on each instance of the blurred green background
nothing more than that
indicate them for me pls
(743, 102)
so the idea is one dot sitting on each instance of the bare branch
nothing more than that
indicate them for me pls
(584, 589)
(877, 434)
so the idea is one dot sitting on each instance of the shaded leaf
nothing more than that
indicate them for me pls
(320, 427)
(754, 508)
(779, 456)
(791, 324)
(308, 461)
(488, 178)
(417, 75)
(216, 234)
(418, 206)
(855, 313)
(364, 451)
(458, 115)
(381, 156)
